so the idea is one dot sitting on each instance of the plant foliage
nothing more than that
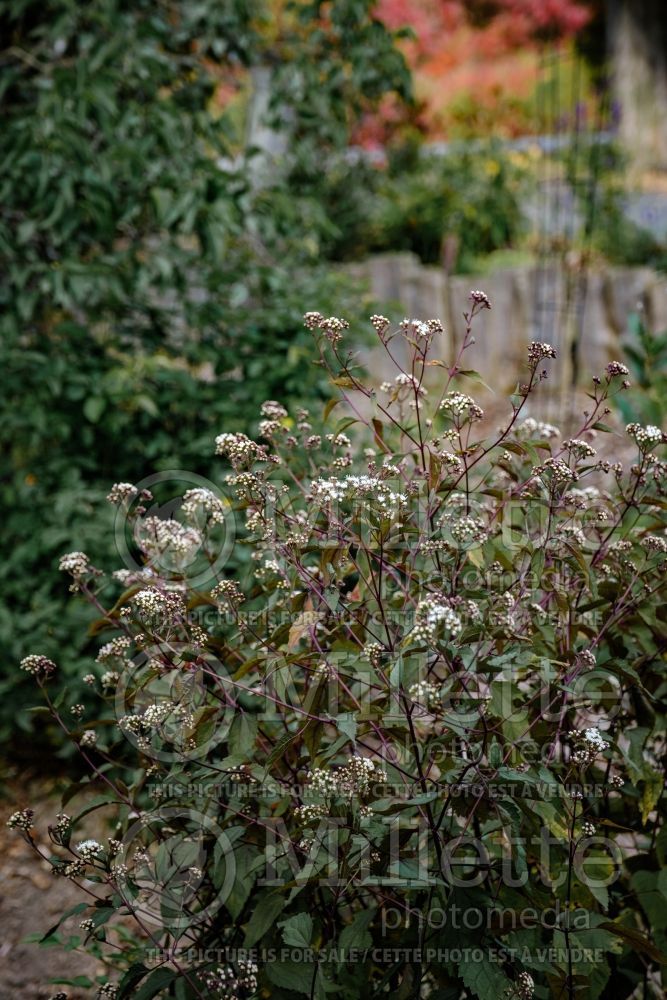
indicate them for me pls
(151, 290)
(410, 742)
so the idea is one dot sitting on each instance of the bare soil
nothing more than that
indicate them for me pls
(32, 899)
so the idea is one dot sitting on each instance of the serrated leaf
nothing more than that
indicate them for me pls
(297, 930)
(484, 979)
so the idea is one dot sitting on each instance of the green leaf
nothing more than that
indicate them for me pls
(93, 408)
(653, 786)
(297, 930)
(267, 909)
(637, 940)
(157, 981)
(281, 746)
(356, 934)
(484, 979)
(79, 908)
(297, 976)
(346, 722)
(474, 376)
(133, 976)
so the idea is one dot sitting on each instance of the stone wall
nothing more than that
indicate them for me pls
(583, 314)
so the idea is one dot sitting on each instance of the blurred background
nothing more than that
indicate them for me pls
(181, 180)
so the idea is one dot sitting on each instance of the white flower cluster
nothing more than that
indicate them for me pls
(359, 487)
(203, 501)
(159, 536)
(570, 531)
(587, 746)
(269, 428)
(432, 615)
(339, 440)
(560, 472)
(502, 612)
(37, 665)
(379, 323)
(312, 320)
(153, 718)
(531, 428)
(594, 739)
(76, 563)
(256, 524)
(424, 692)
(21, 819)
(646, 437)
(372, 652)
(480, 298)
(227, 592)
(655, 543)
(154, 603)
(331, 326)
(582, 499)
(75, 869)
(115, 649)
(109, 990)
(128, 577)
(63, 824)
(537, 351)
(458, 404)
(225, 983)
(270, 568)
(310, 813)
(89, 850)
(404, 381)
(579, 448)
(248, 485)
(453, 463)
(465, 529)
(588, 828)
(468, 609)
(121, 493)
(354, 780)
(89, 738)
(615, 368)
(239, 449)
(273, 410)
(586, 658)
(423, 329)
(525, 985)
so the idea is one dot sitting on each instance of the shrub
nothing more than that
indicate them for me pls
(412, 743)
(646, 354)
(141, 261)
(598, 178)
(472, 196)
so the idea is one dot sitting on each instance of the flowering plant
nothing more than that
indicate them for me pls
(414, 746)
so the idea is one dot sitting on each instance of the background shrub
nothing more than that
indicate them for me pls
(153, 265)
